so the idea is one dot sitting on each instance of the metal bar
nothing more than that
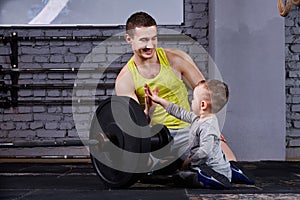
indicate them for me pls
(60, 70)
(79, 102)
(45, 158)
(53, 102)
(58, 86)
(58, 38)
(5, 39)
(58, 143)
(14, 50)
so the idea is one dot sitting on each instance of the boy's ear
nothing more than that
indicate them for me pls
(203, 105)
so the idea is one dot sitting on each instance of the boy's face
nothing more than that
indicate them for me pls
(143, 41)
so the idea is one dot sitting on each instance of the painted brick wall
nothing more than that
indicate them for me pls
(38, 122)
(292, 66)
(55, 122)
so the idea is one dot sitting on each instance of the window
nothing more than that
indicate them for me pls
(87, 12)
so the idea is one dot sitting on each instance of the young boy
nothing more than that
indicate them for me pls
(205, 154)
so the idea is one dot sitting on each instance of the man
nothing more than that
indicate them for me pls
(162, 67)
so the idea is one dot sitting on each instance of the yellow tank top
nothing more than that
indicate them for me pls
(170, 87)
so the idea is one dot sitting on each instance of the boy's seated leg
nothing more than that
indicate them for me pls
(187, 178)
(210, 178)
(180, 142)
(170, 168)
(239, 175)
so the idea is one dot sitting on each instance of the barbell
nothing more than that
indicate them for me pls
(120, 142)
(125, 141)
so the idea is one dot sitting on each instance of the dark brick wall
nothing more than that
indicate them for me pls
(45, 112)
(292, 59)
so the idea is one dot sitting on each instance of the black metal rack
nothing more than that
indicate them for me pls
(11, 99)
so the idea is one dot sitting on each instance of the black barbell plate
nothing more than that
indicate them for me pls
(104, 121)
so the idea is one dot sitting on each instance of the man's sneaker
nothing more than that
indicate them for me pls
(239, 175)
(210, 178)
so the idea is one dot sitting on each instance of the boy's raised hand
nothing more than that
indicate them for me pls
(151, 95)
(153, 98)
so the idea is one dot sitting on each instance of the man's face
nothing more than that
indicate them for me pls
(143, 41)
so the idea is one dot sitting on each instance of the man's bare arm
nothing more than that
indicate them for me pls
(124, 85)
(184, 65)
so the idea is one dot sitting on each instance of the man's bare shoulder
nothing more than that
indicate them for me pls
(124, 84)
(177, 57)
(176, 54)
(173, 51)
(124, 71)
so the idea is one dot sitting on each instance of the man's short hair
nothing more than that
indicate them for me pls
(139, 19)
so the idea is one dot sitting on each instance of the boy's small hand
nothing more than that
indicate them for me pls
(152, 95)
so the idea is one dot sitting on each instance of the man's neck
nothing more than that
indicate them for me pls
(148, 68)
(145, 62)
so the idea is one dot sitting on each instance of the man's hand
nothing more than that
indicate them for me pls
(149, 104)
(222, 138)
(153, 97)
(186, 163)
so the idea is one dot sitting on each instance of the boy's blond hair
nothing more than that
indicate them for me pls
(217, 94)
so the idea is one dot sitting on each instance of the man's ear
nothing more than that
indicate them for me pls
(128, 38)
